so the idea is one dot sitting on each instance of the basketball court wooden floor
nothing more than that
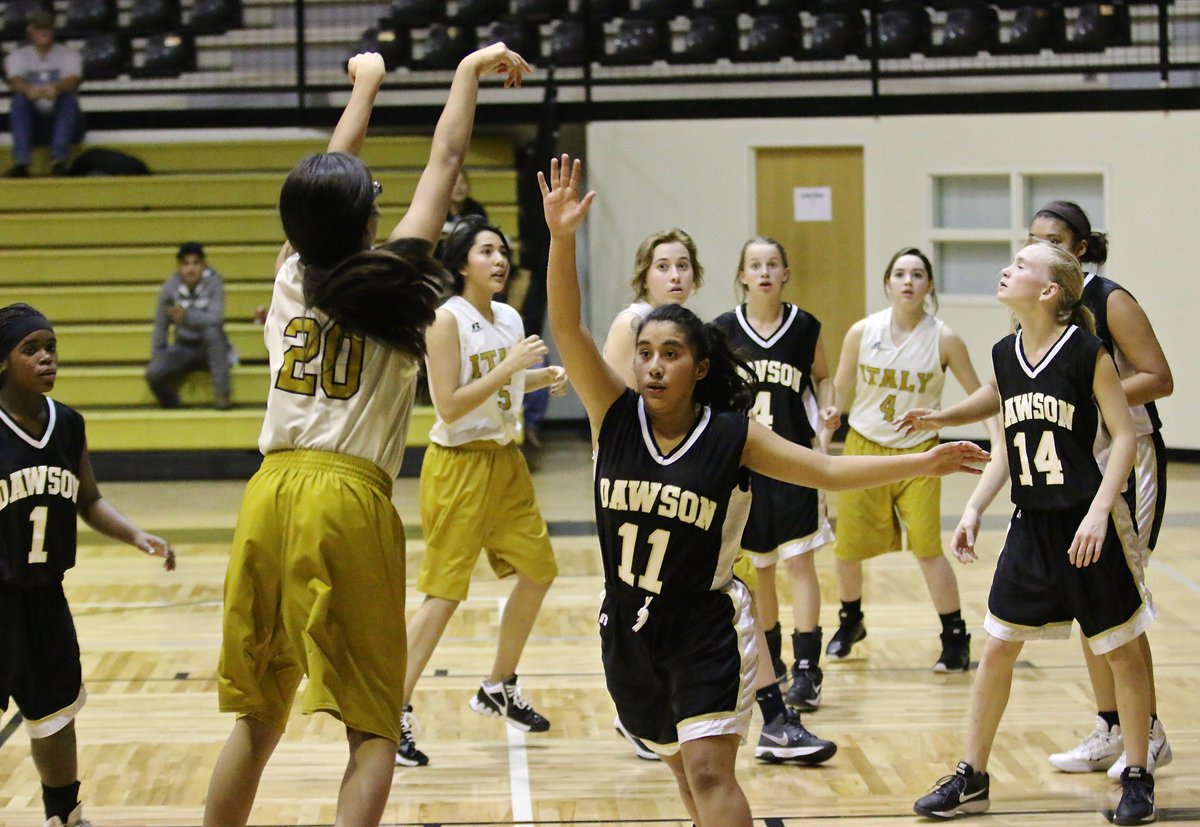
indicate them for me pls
(151, 731)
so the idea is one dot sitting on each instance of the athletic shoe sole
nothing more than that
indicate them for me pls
(489, 711)
(802, 755)
(966, 808)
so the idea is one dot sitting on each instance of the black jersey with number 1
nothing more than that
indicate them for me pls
(39, 489)
(660, 517)
(782, 364)
(1051, 423)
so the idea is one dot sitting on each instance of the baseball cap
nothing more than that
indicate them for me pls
(41, 19)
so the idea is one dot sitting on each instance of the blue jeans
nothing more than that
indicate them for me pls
(61, 128)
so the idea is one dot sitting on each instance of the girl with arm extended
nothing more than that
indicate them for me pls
(1070, 553)
(315, 583)
(668, 457)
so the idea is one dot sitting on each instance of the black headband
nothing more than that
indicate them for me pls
(1071, 215)
(18, 328)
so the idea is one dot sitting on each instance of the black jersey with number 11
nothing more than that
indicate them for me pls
(660, 517)
(39, 488)
(1051, 423)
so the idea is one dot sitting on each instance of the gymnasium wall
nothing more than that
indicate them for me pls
(700, 175)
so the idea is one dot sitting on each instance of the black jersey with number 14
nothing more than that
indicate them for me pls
(39, 489)
(661, 517)
(1051, 423)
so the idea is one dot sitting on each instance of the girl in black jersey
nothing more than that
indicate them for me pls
(46, 481)
(679, 660)
(1070, 553)
(787, 523)
(1123, 326)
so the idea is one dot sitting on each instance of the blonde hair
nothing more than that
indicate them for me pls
(1065, 271)
(644, 258)
(738, 287)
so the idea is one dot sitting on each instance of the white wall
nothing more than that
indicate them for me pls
(699, 175)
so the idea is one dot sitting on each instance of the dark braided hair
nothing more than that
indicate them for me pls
(388, 293)
(729, 384)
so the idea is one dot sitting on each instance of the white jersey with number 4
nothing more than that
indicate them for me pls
(331, 391)
(892, 379)
(482, 346)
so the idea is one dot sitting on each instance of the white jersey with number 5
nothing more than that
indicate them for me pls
(482, 346)
(892, 379)
(331, 391)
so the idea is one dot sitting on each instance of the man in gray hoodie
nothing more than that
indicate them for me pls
(192, 301)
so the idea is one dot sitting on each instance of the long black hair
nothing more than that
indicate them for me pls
(459, 243)
(389, 293)
(729, 384)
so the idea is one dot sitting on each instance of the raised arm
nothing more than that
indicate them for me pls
(773, 456)
(1131, 330)
(366, 71)
(452, 137)
(598, 384)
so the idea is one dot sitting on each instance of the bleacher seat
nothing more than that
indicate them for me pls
(658, 8)
(86, 17)
(519, 34)
(106, 55)
(393, 44)
(444, 47)
(475, 12)
(707, 39)
(566, 46)
(1100, 26)
(638, 41)
(771, 37)
(154, 17)
(214, 16)
(539, 11)
(904, 30)
(414, 13)
(837, 34)
(167, 55)
(1033, 28)
(99, 287)
(969, 30)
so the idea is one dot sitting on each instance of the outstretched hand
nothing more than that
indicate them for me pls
(918, 419)
(498, 59)
(156, 547)
(956, 456)
(564, 209)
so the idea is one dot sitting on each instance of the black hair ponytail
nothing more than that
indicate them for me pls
(388, 293)
(729, 384)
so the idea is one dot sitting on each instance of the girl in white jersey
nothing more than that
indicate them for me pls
(476, 492)
(315, 584)
(891, 361)
(678, 660)
(1123, 326)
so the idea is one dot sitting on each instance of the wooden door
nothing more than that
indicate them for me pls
(826, 258)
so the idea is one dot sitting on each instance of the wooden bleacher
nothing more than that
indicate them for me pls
(91, 253)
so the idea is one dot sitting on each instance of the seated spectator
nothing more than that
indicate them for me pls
(44, 77)
(461, 204)
(192, 299)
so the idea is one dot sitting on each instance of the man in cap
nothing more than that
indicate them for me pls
(44, 76)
